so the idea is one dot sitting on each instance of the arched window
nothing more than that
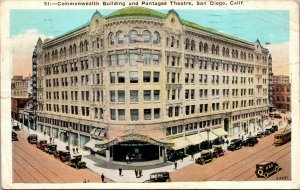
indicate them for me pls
(217, 50)
(227, 52)
(205, 48)
(248, 56)
(223, 51)
(187, 43)
(146, 36)
(245, 55)
(133, 35)
(192, 45)
(81, 47)
(98, 42)
(86, 45)
(213, 49)
(167, 41)
(65, 51)
(241, 55)
(200, 47)
(172, 41)
(56, 54)
(233, 53)
(156, 38)
(111, 38)
(60, 52)
(74, 48)
(120, 37)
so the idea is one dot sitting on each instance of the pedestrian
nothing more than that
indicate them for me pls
(120, 171)
(227, 142)
(50, 139)
(84, 181)
(182, 157)
(77, 149)
(127, 159)
(192, 156)
(44, 132)
(136, 173)
(140, 172)
(175, 165)
(88, 181)
(102, 178)
(73, 150)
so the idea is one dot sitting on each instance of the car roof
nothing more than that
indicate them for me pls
(159, 173)
(265, 162)
(31, 135)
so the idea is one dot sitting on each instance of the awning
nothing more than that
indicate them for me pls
(211, 136)
(220, 132)
(195, 139)
(179, 143)
(91, 145)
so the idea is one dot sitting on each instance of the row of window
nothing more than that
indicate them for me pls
(134, 95)
(134, 77)
(149, 114)
(134, 59)
(133, 37)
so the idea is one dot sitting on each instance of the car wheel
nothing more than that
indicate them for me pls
(260, 172)
(217, 155)
(266, 175)
(168, 180)
(277, 168)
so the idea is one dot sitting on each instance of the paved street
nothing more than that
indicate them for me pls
(31, 165)
(240, 165)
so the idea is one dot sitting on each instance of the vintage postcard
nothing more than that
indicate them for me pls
(150, 94)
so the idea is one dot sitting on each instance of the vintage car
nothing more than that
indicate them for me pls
(63, 155)
(267, 132)
(159, 177)
(32, 138)
(265, 169)
(14, 136)
(16, 127)
(260, 134)
(274, 128)
(50, 148)
(205, 157)
(235, 144)
(250, 141)
(218, 151)
(77, 163)
(173, 156)
(41, 144)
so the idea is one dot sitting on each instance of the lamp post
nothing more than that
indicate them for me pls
(208, 130)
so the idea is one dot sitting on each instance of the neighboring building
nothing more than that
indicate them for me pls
(270, 91)
(21, 89)
(282, 92)
(139, 82)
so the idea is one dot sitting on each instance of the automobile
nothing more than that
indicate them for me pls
(77, 163)
(63, 155)
(16, 128)
(50, 148)
(260, 134)
(278, 116)
(267, 132)
(173, 156)
(205, 157)
(250, 141)
(159, 177)
(266, 168)
(235, 144)
(275, 128)
(218, 151)
(14, 136)
(32, 138)
(41, 144)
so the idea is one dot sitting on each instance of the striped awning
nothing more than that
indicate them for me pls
(179, 143)
(220, 132)
(195, 139)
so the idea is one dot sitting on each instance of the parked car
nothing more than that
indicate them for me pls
(205, 157)
(41, 144)
(77, 163)
(50, 148)
(32, 138)
(159, 177)
(265, 169)
(63, 155)
(173, 156)
(267, 132)
(14, 136)
(275, 128)
(235, 144)
(260, 134)
(218, 151)
(278, 116)
(16, 128)
(250, 141)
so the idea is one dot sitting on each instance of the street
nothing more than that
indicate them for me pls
(31, 165)
(240, 164)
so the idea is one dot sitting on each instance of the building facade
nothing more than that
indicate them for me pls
(282, 92)
(139, 80)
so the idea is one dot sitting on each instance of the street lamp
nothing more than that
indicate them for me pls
(208, 130)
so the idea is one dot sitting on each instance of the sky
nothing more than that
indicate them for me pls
(26, 26)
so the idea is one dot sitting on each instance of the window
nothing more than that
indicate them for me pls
(112, 78)
(156, 38)
(156, 77)
(134, 96)
(146, 59)
(170, 111)
(121, 59)
(147, 76)
(147, 95)
(177, 111)
(147, 114)
(111, 38)
(121, 114)
(156, 113)
(155, 59)
(133, 36)
(112, 114)
(112, 96)
(133, 59)
(120, 37)
(121, 95)
(146, 36)
(134, 114)
(134, 77)
(156, 95)
(121, 77)
(112, 60)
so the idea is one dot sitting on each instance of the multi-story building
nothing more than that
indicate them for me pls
(21, 89)
(282, 92)
(270, 91)
(139, 82)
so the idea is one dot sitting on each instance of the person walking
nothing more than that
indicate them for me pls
(102, 178)
(127, 159)
(84, 181)
(77, 149)
(120, 171)
(73, 150)
(140, 172)
(175, 165)
(50, 139)
(136, 173)
(192, 156)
